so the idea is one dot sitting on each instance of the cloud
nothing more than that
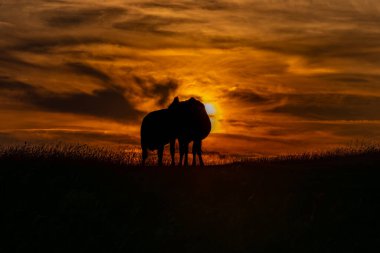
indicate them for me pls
(98, 136)
(242, 137)
(359, 131)
(45, 44)
(164, 91)
(107, 103)
(70, 17)
(211, 5)
(177, 6)
(349, 44)
(347, 78)
(247, 96)
(291, 61)
(58, 135)
(9, 60)
(216, 5)
(11, 85)
(244, 123)
(329, 106)
(259, 145)
(153, 24)
(318, 31)
(161, 91)
(84, 69)
(311, 106)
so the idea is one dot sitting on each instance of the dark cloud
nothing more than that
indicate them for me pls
(165, 5)
(57, 135)
(211, 5)
(84, 69)
(317, 31)
(161, 91)
(347, 77)
(248, 96)
(360, 131)
(227, 42)
(282, 45)
(152, 24)
(248, 138)
(245, 123)
(87, 136)
(164, 91)
(351, 129)
(107, 103)
(45, 44)
(216, 5)
(329, 106)
(68, 17)
(7, 84)
(315, 106)
(332, 12)
(349, 44)
(11, 61)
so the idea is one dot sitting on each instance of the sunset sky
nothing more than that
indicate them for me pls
(281, 75)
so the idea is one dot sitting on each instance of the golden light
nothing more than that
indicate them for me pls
(210, 109)
(212, 112)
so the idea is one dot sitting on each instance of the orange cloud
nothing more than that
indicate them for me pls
(286, 75)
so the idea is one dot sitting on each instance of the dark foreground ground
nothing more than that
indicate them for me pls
(325, 205)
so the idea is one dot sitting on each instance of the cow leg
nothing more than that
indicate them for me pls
(186, 149)
(181, 152)
(194, 154)
(160, 152)
(144, 155)
(172, 151)
(199, 152)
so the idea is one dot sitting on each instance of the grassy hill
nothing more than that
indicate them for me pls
(64, 198)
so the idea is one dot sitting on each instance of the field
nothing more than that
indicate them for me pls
(75, 197)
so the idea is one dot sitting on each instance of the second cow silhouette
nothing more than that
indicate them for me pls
(186, 121)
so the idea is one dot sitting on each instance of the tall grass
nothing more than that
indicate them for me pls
(69, 153)
(131, 155)
(122, 155)
(352, 150)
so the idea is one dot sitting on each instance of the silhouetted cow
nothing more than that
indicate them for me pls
(192, 123)
(186, 121)
(157, 130)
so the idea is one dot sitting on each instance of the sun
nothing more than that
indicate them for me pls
(212, 113)
(210, 109)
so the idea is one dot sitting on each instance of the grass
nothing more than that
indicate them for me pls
(107, 155)
(63, 197)
(127, 156)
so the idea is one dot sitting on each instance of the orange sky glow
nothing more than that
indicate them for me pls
(276, 76)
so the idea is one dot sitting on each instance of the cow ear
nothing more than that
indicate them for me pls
(174, 103)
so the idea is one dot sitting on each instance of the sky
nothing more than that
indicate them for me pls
(281, 76)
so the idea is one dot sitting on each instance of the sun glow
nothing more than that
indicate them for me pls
(210, 109)
(213, 113)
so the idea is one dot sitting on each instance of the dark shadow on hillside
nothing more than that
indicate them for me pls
(60, 204)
